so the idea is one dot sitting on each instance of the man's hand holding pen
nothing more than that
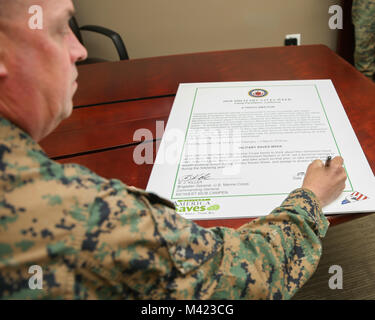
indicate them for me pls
(327, 180)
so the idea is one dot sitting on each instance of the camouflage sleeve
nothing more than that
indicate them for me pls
(150, 252)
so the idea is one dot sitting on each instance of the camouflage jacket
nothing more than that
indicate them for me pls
(94, 238)
(363, 12)
(363, 17)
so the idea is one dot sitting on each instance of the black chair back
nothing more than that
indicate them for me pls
(75, 28)
(114, 36)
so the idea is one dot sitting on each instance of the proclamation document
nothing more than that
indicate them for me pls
(237, 149)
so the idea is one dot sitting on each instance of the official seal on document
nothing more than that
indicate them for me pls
(258, 93)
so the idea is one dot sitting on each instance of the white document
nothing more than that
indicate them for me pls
(237, 149)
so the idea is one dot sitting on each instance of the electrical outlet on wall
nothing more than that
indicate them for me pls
(293, 39)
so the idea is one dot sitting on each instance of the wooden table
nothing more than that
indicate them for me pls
(115, 99)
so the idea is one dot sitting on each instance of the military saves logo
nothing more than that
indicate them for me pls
(258, 93)
(195, 206)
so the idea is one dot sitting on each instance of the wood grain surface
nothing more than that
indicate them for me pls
(115, 99)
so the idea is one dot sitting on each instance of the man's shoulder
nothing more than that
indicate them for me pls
(26, 169)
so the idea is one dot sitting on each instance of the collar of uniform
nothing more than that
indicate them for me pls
(9, 133)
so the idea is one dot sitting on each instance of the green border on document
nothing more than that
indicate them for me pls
(333, 135)
(183, 147)
(250, 195)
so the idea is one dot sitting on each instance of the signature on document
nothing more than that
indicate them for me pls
(194, 178)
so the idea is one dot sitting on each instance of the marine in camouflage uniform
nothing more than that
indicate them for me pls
(100, 239)
(363, 17)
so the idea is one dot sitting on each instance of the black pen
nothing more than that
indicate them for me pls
(328, 161)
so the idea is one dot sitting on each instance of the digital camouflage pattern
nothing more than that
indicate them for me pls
(100, 239)
(363, 17)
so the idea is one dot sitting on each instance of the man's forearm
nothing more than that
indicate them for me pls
(268, 258)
